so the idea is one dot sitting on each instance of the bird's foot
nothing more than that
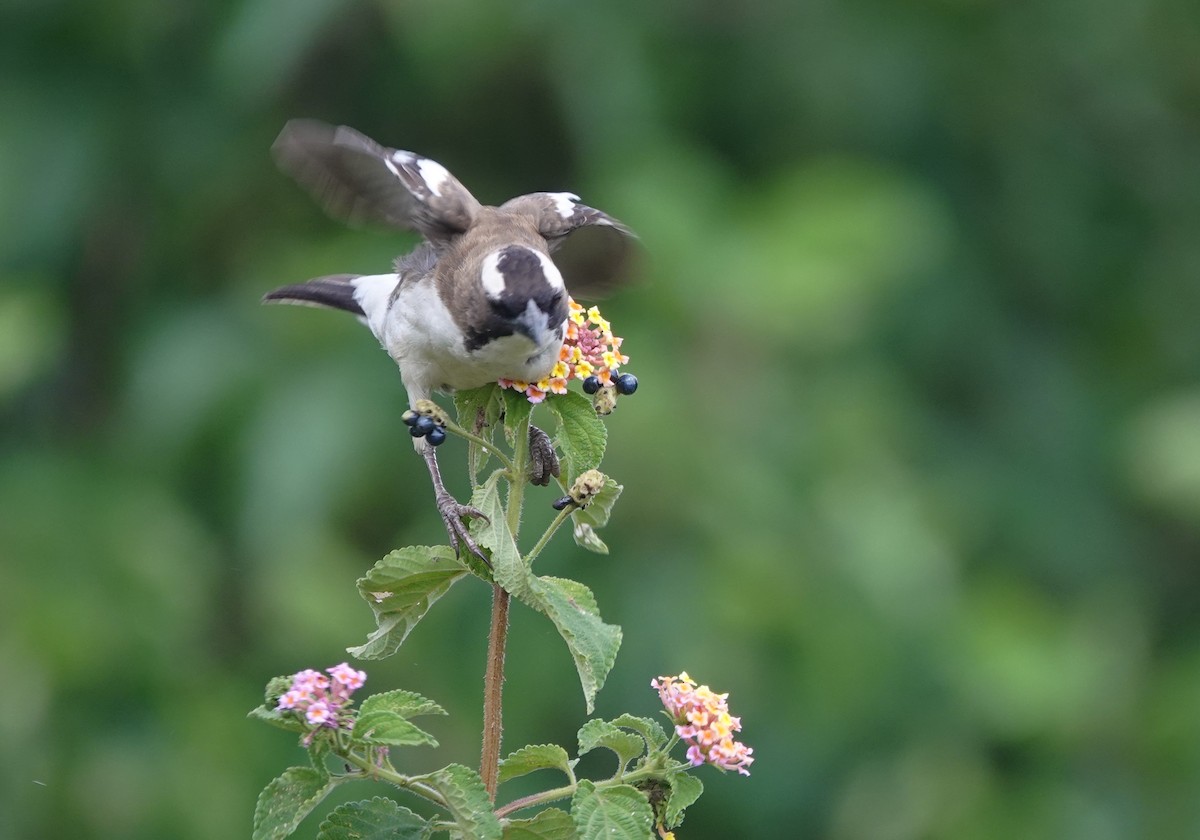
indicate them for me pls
(453, 513)
(543, 461)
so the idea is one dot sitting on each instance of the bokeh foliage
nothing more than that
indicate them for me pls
(914, 470)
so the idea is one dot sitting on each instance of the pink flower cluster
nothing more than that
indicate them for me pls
(321, 699)
(703, 721)
(589, 349)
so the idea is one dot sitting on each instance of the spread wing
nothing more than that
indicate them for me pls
(594, 251)
(357, 180)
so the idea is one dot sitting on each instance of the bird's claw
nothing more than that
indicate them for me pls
(543, 461)
(453, 513)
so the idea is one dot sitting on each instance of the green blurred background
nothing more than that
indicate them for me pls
(914, 471)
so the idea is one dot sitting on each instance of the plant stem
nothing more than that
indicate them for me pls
(545, 538)
(493, 691)
(386, 774)
(453, 427)
(493, 678)
(569, 790)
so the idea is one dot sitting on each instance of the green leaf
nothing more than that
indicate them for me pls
(569, 605)
(593, 644)
(278, 718)
(400, 589)
(550, 824)
(685, 789)
(586, 537)
(534, 757)
(404, 703)
(601, 733)
(649, 729)
(508, 569)
(270, 713)
(620, 812)
(373, 819)
(596, 515)
(472, 404)
(384, 727)
(581, 434)
(517, 409)
(467, 801)
(287, 800)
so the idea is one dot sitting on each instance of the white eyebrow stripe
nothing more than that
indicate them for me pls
(490, 276)
(550, 271)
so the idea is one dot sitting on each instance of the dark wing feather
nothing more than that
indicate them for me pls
(595, 252)
(357, 180)
(333, 292)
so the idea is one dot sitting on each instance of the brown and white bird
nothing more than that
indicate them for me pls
(480, 299)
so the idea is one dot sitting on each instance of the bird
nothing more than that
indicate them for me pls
(479, 299)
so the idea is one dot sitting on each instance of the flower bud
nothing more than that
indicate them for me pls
(429, 408)
(605, 400)
(586, 487)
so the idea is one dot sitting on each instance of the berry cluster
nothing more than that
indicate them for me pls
(590, 353)
(625, 383)
(423, 425)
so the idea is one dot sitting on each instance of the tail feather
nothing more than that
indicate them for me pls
(333, 292)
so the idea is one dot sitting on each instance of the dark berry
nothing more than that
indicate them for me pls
(591, 385)
(561, 503)
(409, 417)
(436, 435)
(425, 424)
(626, 384)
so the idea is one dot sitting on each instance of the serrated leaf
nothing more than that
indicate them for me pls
(407, 704)
(569, 605)
(287, 800)
(586, 537)
(270, 713)
(517, 409)
(470, 405)
(577, 592)
(400, 589)
(508, 569)
(685, 789)
(592, 643)
(384, 727)
(534, 757)
(620, 812)
(550, 824)
(277, 718)
(373, 819)
(602, 733)
(581, 434)
(649, 729)
(319, 749)
(467, 800)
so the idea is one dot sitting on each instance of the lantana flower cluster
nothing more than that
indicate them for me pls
(323, 700)
(589, 349)
(702, 720)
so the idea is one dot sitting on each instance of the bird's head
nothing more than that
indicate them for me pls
(524, 289)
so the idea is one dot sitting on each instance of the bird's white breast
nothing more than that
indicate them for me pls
(427, 345)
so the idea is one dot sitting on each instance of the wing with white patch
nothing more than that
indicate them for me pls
(593, 250)
(560, 213)
(356, 179)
